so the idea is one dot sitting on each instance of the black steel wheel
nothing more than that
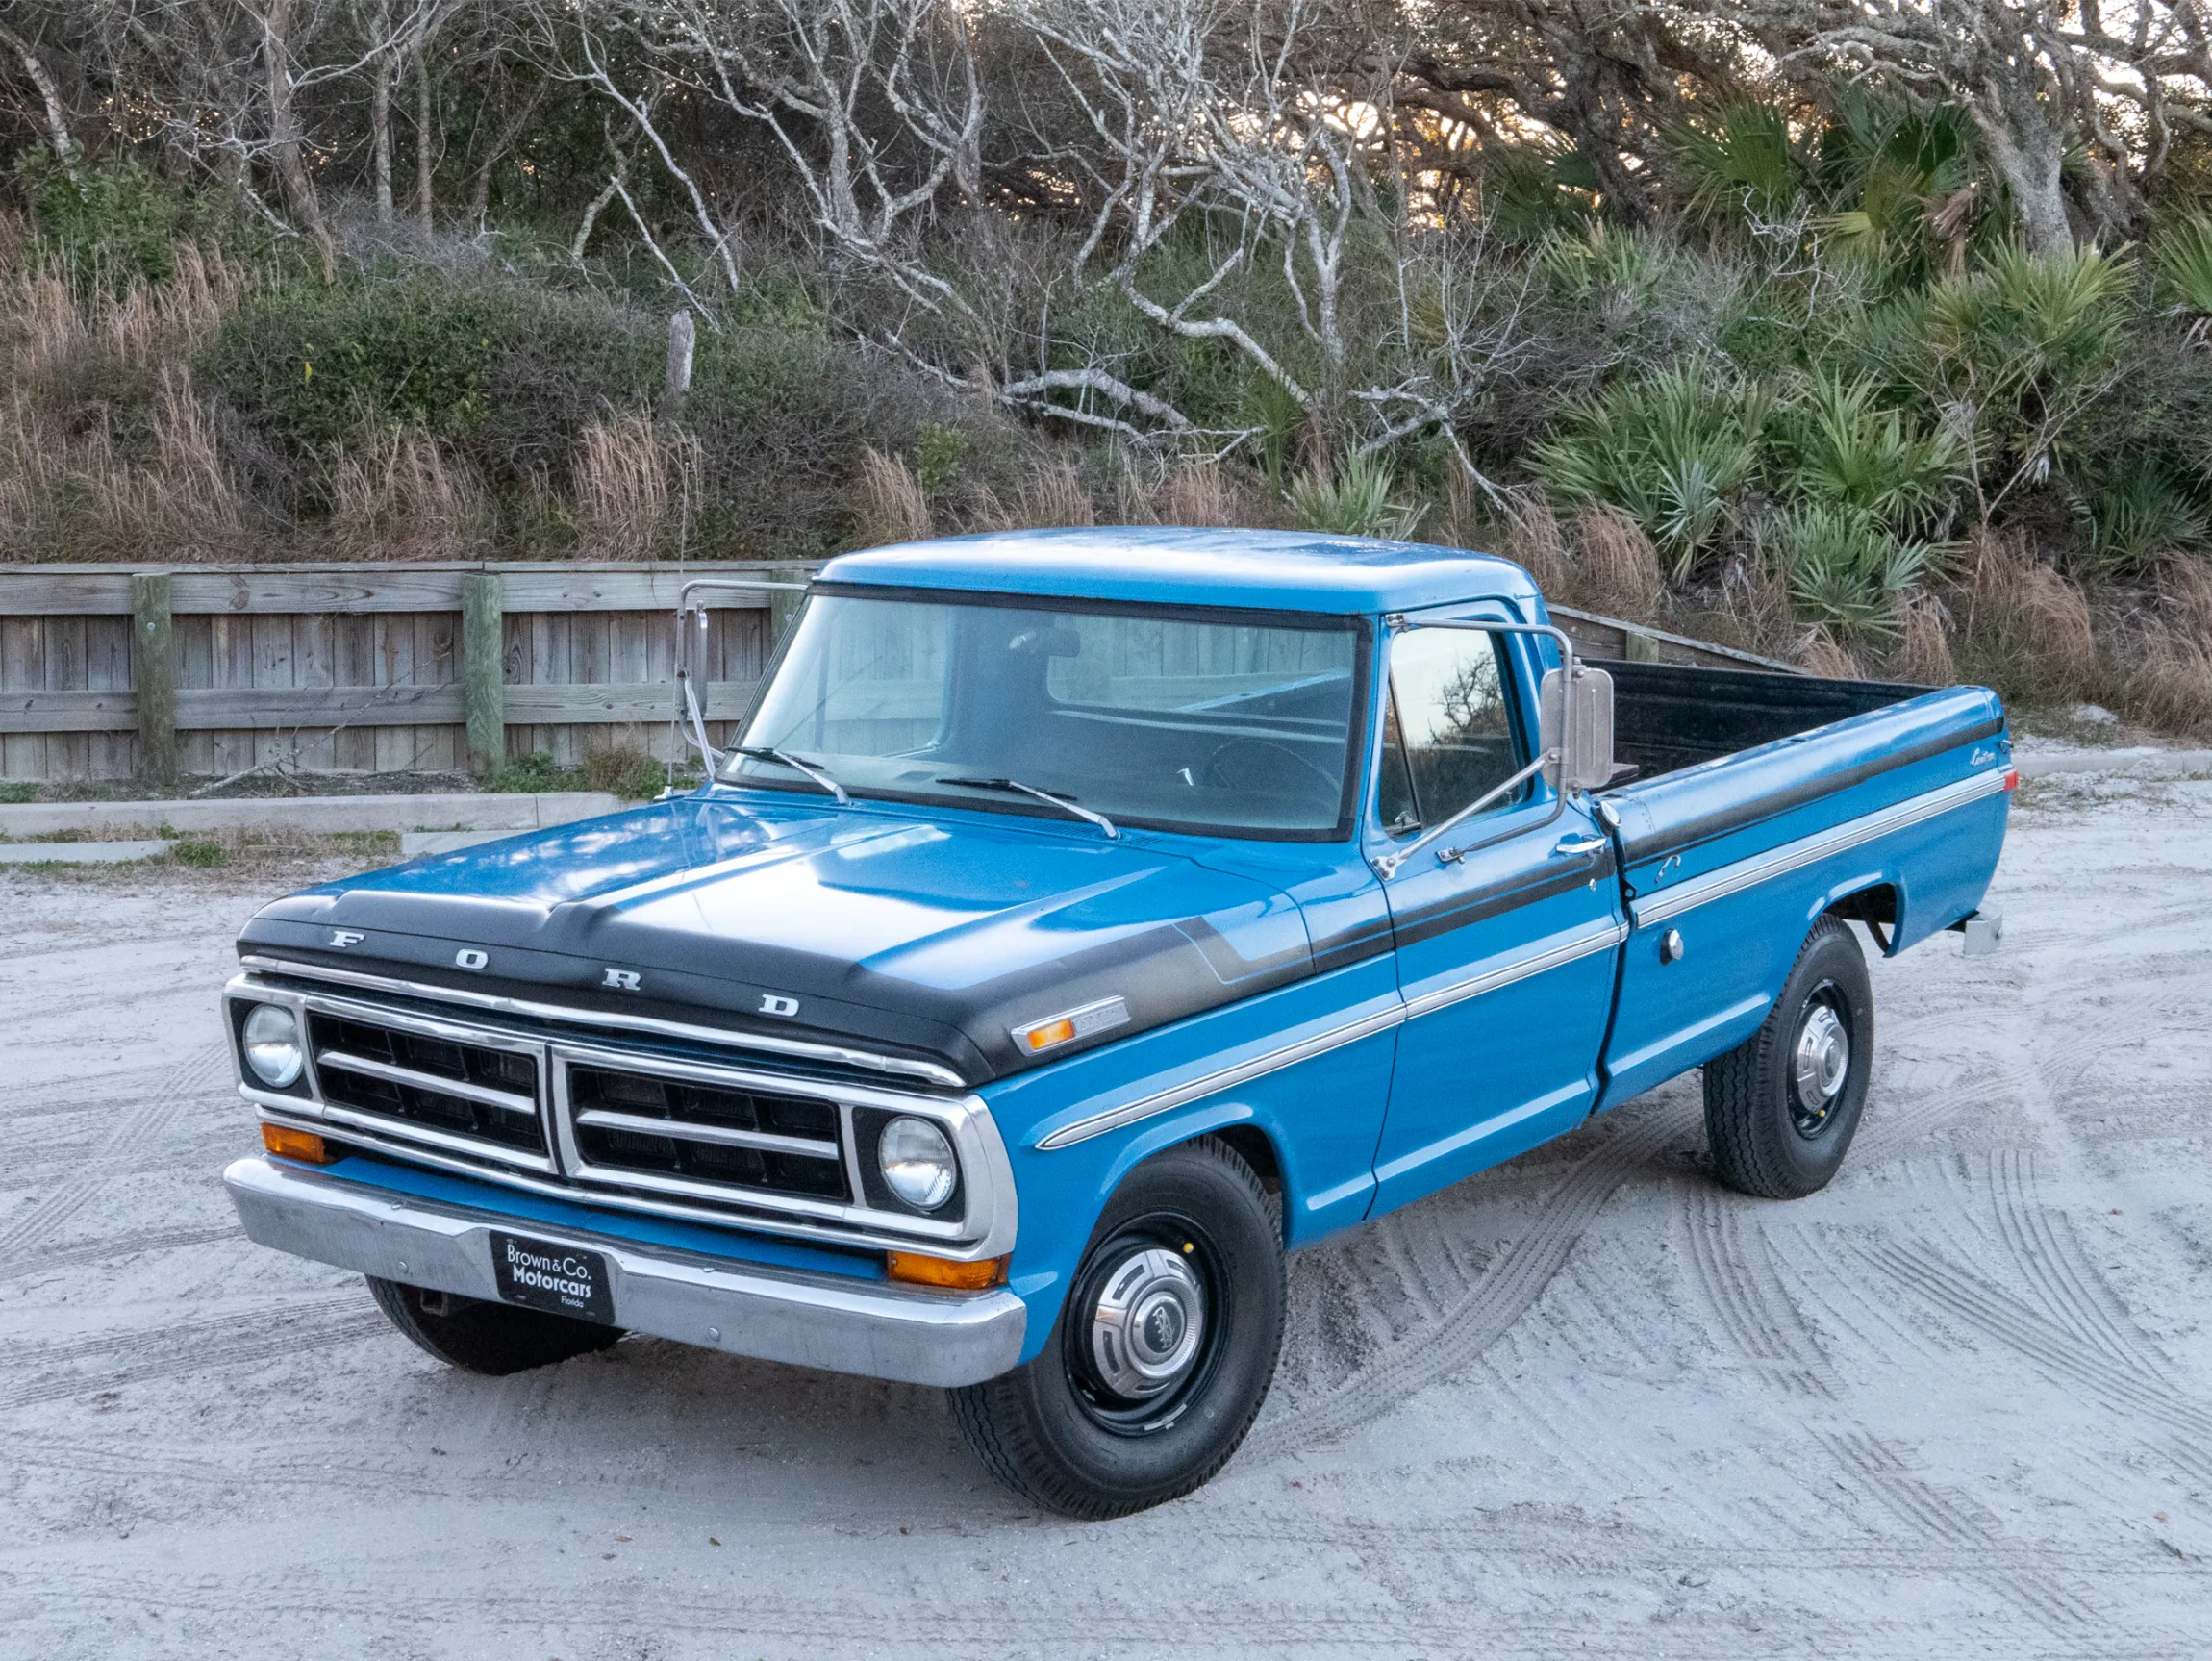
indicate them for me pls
(489, 1338)
(1782, 1107)
(1163, 1351)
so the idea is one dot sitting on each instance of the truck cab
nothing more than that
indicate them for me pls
(1080, 922)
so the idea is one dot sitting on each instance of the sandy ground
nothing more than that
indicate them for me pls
(1588, 1405)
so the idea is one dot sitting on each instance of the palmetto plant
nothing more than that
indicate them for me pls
(1355, 500)
(2137, 516)
(1741, 160)
(2182, 257)
(1847, 451)
(1845, 569)
(1674, 451)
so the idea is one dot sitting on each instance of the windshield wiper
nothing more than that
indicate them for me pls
(1066, 804)
(769, 753)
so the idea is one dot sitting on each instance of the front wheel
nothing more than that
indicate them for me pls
(1164, 1350)
(1782, 1107)
(477, 1336)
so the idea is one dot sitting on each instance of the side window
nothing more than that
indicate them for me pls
(1447, 734)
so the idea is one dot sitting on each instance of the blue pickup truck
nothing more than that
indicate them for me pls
(1082, 920)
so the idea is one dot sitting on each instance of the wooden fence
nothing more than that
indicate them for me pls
(108, 672)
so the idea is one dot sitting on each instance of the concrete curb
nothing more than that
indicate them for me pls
(2139, 764)
(322, 813)
(78, 852)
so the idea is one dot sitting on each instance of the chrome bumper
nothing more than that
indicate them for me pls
(776, 1315)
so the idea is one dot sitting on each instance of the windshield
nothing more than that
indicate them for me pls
(1149, 715)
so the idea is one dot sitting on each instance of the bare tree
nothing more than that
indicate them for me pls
(875, 104)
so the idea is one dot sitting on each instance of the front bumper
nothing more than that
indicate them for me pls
(776, 1315)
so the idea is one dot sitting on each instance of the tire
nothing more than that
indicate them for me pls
(496, 1339)
(1110, 1419)
(1774, 1134)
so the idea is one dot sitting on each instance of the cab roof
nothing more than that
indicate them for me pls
(1277, 570)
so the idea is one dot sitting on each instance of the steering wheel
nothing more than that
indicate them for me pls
(1258, 764)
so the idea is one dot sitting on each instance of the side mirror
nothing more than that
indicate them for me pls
(1576, 718)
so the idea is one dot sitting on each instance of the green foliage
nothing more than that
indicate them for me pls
(2138, 516)
(19, 791)
(1845, 569)
(1849, 452)
(1355, 500)
(1740, 161)
(1674, 451)
(530, 774)
(2182, 257)
(1902, 182)
(199, 853)
(938, 452)
(117, 221)
(507, 373)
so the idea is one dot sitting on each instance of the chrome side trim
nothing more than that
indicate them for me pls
(1735, 878)
(928, 1072)
(338, 1061)
(1602, 939)
(721, 1136)
(810, 1320)
(1223, 1078)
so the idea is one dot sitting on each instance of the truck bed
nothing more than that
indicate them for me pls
(1667, 717)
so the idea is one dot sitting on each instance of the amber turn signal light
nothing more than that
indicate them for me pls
(1052, 1032)
(917, 1269)
(304, 1145)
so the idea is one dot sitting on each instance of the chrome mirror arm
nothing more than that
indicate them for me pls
(1387, 865)
(696, 736)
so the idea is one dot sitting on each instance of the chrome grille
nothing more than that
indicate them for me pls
(430, 1085)
(648, 1123)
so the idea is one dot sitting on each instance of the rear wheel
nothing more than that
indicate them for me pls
(1782, 1107)
(490, 1337)
(1163, 1352)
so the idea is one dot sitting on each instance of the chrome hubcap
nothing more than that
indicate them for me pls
(1821, 1062)
(1148, 1323)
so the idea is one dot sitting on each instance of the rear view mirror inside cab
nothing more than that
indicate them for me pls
(1046, 643)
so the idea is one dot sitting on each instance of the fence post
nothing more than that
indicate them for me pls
(1640, 648)
(154, 676)
(483, 670)
(784, 605)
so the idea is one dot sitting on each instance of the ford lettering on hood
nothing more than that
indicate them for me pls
(934, 936)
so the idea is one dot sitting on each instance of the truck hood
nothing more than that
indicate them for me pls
(928, 935)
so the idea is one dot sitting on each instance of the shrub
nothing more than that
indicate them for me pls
(1673, 451)
(1847, 452)
(1354, 500)
(2182, 257)
(1846, 571)
(2137, 516)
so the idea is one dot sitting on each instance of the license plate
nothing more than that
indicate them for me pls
(559, 1279)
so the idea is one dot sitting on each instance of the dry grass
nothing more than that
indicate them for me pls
(1922, 654)
(1531, 537)
(621, 471)
(1616, 568)
(887, 502)
(1051, 492)
(397, 496)
(1198, 492)
(2026, 629)
(2168, 680)
(1820, 654)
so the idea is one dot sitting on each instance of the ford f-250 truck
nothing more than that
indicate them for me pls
(1081, 920)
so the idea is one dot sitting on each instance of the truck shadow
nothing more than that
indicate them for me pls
(1376, 1315)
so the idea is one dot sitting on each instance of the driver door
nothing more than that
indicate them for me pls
(1506, 954)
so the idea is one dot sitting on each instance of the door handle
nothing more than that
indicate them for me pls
(1578, 845)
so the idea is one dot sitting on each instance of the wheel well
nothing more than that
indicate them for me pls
(1253, 1148)
(1877, 904)
(1877, 907)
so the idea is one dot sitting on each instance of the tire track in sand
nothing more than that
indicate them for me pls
(1433, 1349)
(187, 1347)
(142, 1119)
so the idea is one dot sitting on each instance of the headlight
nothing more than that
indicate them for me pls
(272, 1045)
(917, 1163)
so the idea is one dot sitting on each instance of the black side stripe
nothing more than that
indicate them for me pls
(1674, 839)
(1497, 898)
